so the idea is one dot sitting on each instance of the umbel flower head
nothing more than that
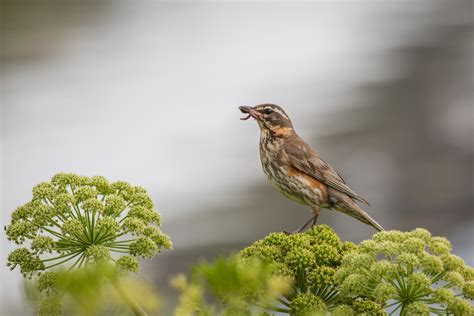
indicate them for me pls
(310, 260)
(78, 220)
(412, 273)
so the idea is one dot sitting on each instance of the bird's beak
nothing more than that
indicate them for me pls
(250, 112)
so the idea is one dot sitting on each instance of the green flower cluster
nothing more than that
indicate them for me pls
(310, 260)
(242, 287)
(412, 273)
(83, 220)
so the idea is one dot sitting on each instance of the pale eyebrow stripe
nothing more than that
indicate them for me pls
(277, 110)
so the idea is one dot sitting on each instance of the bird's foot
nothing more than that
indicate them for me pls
(293, 232)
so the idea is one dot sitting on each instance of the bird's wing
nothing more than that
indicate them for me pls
(303, 158)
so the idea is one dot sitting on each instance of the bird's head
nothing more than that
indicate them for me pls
(270, 117)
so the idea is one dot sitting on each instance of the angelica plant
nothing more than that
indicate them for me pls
(410, 273)
(96, 289)
(310, 260)
(229, 286)
(73, 221)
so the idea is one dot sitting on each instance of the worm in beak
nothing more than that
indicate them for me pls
(250, 113)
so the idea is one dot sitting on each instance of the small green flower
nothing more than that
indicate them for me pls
(62, 203)
(123, 189)
(28, 262)
(343, 310)
(452, 262)
(41, 244)
(101, 184)
(306, 304)
(459, 306)
(97, 253)
(72, 227)
(93, 205)
(114, 205)
(128, 264)
(20, 230)
(468, 290)
(354, 285)
(23, 212)
(144, 247)
(431, 263)
(144, 214)
(158, 237)
(43, 191)
(142, 199)
(443, 295)
(133, 225)
(420, 281)
(418, 308)
(367, 307)
(384, 291)
(50, 306)
(322, 275)
(439, 246)
(455, 279)
(109, 224)
(47, 281)
(413, 245)
(422, 234)
(85, 193)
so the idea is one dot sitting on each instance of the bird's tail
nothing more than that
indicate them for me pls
(358, 213)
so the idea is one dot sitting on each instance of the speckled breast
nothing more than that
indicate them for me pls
(291, 182)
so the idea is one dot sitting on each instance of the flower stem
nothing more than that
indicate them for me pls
(134, 306)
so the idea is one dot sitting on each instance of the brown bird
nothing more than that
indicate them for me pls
(295, 169)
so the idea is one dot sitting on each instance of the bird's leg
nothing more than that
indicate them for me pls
(316, 211)
(313, 219)
(301, 229)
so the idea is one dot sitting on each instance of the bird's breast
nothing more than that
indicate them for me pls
(291, 182)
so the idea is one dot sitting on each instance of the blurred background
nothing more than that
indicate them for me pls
(147, 92)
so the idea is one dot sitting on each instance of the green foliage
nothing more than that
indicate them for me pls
(95, 289)
(235, 286)
(412, 273)
(84, 220)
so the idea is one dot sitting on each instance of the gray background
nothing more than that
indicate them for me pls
(147, 92)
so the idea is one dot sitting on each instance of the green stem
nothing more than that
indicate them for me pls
(76, 262)
(274, 308)
(134, 306)
(59, 257)
(120, 251)
(118, 247)
(395, 308)
(52, 232)
(83, 258)
(109, 237)
(387, 306)
(61, 262)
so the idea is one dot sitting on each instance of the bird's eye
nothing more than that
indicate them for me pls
(268, 111)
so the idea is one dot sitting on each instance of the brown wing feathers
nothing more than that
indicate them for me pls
(306, 160)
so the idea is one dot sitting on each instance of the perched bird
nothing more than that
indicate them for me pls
(295, 169)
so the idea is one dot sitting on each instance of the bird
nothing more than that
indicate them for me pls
(298, 172)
